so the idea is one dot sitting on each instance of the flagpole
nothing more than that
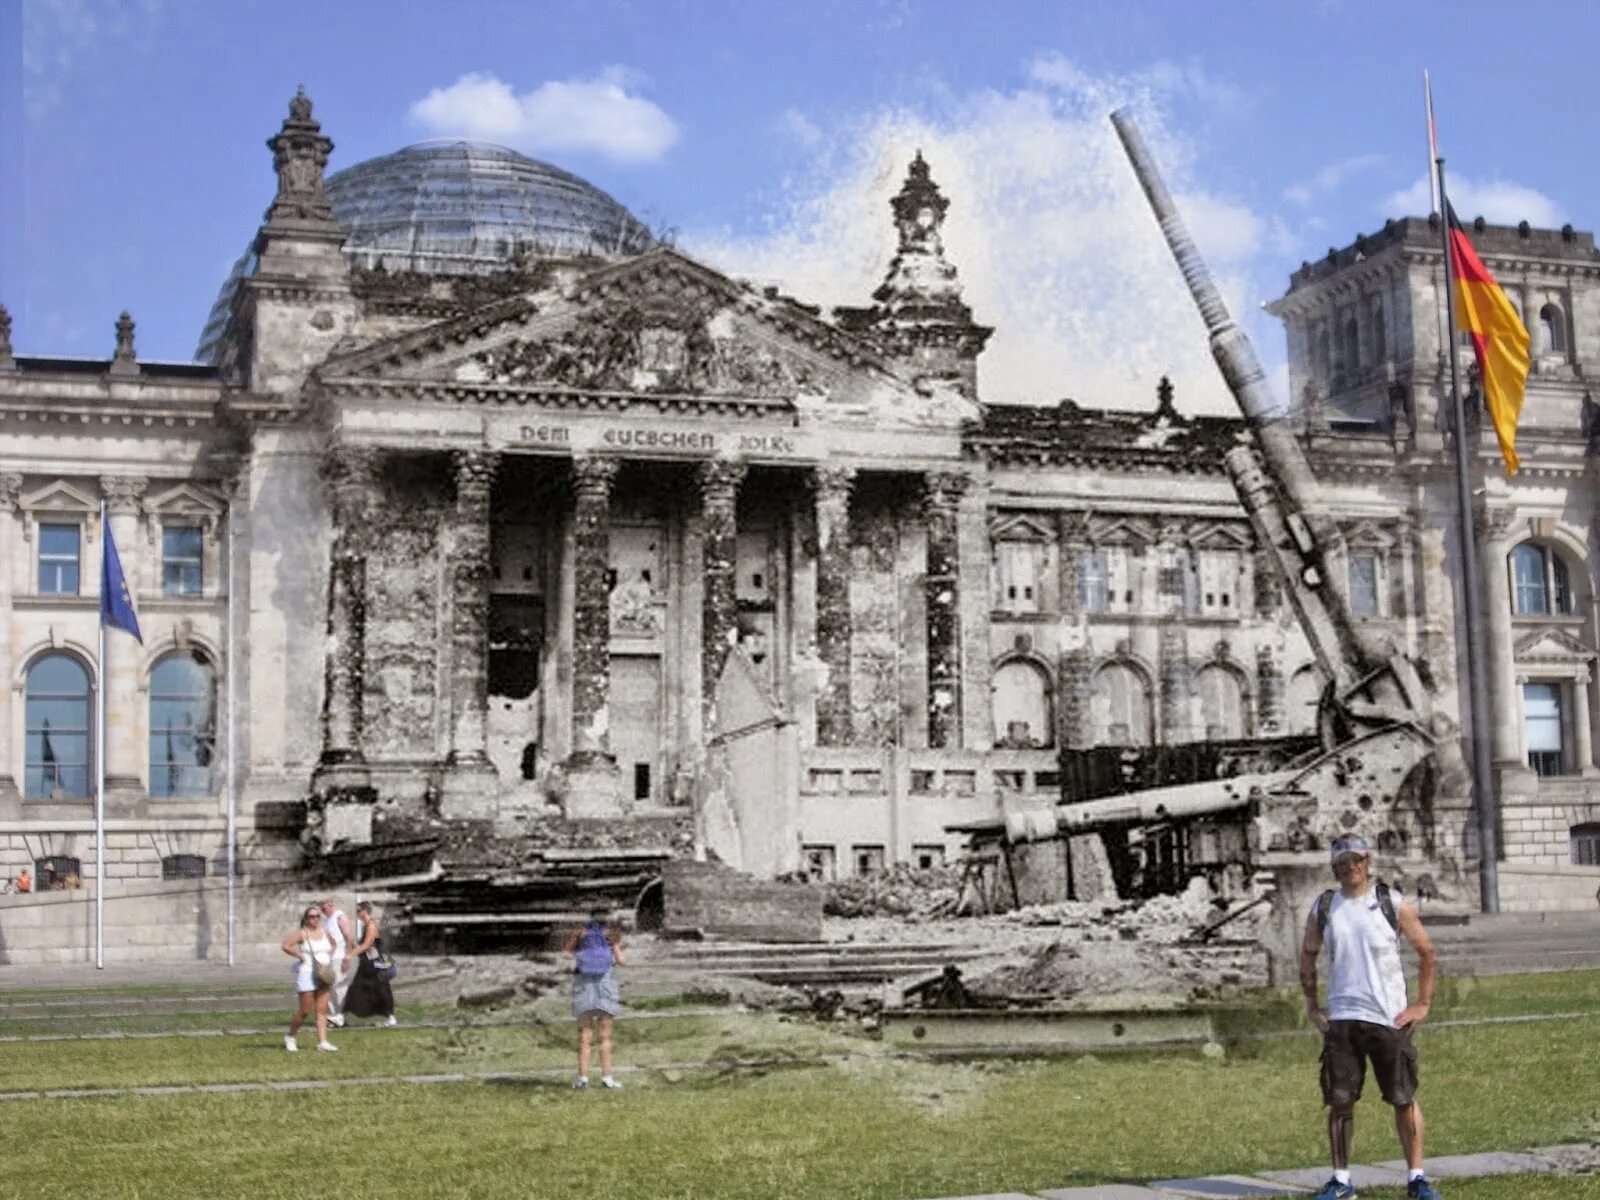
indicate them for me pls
(100, 778)
(1482, 769)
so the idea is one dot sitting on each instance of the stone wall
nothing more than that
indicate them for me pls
(714, 899)
(1540, 834)
(1565, 888)
(180, 921)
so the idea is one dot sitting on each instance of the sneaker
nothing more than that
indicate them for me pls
(391, 1022)
(290, 1044)
(1421, 1189)
(609, 1082)
(336, 1020)
(581, 1083)
(326, 1045)
(1334, 1190)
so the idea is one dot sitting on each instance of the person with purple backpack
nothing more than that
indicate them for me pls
(596, 951)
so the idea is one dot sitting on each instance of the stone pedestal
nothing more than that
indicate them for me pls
(593, 787)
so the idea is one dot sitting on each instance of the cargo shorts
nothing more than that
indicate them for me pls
(1349, 1045)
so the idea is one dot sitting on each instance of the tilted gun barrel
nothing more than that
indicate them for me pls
(1373, 685)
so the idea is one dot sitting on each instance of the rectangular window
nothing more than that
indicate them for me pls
(1542, 721)
(826, 781)
(868, 860)
(820, 865)
(1015, 781)
(1586, 844)
(181, 547)
(1364, 583)
(921, 780)
(58, 560)
(866, 782)
(1016, 576)
(927, 858)
(961, 783)
(1046, 781)
(1094, 581)
(1219, 576)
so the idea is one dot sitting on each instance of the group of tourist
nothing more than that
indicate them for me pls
(325, 949)
(338, 971)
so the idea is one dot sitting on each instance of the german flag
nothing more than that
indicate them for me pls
(1499, 338)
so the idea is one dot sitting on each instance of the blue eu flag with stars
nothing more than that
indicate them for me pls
(116, 603)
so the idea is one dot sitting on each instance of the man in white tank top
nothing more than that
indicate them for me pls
(337, 926)
(1367, 1016)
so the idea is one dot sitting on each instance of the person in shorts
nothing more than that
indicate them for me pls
(596, 951)
(1367, 1018)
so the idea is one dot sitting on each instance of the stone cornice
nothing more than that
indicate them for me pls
(520, 395)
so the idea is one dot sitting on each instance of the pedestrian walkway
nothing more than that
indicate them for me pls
(1302, 1181)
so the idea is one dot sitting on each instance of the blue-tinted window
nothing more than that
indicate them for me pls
(1530, 591)
(182, 726)
(58, 560)
(56, 730)
(181, 549)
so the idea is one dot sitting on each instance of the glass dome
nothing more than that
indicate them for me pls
(459, 208)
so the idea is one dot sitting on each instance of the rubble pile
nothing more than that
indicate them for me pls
(902, 892)
(1111, 973)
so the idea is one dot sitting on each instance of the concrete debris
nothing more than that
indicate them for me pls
(901, 892)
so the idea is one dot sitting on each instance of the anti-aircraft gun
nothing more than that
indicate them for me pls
(1378, 735)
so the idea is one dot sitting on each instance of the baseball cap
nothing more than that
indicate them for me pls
(1349, 843)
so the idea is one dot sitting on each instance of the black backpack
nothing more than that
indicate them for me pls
(1385, 902)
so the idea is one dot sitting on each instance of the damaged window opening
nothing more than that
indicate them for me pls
(516, 625)
(530, 760)
(641, 781)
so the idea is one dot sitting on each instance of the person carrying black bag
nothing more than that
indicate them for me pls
(370, 994)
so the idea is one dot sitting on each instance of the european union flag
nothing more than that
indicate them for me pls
(116, 604)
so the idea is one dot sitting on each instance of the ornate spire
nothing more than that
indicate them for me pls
(919, 310)
(125, 361)
(300, 155)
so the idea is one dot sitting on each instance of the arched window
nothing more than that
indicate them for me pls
(182, 726)
(1380, 340)
(1552, 330)
(57, 726)
(1301, 699)
(1222, 703)
(1121, 707)
(1540, 582)
(1022, 710)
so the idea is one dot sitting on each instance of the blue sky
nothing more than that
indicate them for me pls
(769, 136)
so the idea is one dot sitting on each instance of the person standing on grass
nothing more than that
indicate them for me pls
(1367, 1016)
(596, 951)
(313, 951)
(338, 928)
(369, 994)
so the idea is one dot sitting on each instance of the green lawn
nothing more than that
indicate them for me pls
(832, 1113)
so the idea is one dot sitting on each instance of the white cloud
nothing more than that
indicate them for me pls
(1497, 201)
(800, 127)
(1330, 177)
(602, 115)
(1054, 243)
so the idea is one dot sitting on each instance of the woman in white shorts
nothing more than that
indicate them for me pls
(314, 973)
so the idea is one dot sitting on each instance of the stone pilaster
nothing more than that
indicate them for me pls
(120, 672)
(1269, 584)
(10, 492)
(834, 719)
(592, 480)
(1075, 665)
(471, 783)
(1269, 692)
(1493, 530)
(1177, 676)
(942, 497)
(719, 498)
(350, 474)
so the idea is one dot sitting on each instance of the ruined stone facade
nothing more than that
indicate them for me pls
(565, 536)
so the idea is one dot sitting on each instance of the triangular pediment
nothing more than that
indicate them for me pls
(1368, 535)
(1121, 531)
(1221, 536)
(185, 500)
(60, 496)
(661, 325)
(1552, 645)
(1021, 527)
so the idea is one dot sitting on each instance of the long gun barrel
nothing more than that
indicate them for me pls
(1276, 487)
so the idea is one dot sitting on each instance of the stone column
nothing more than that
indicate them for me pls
(1177, 677)
(719, 496)
(1582, 733)
(1269, 691)
(942, 497)
(471, 783)
(1074, 667)
(1493, 528)
(592, 479)
(594, 788)
(834, 712)
(10, 492)
(350, 475)
(120, 671)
